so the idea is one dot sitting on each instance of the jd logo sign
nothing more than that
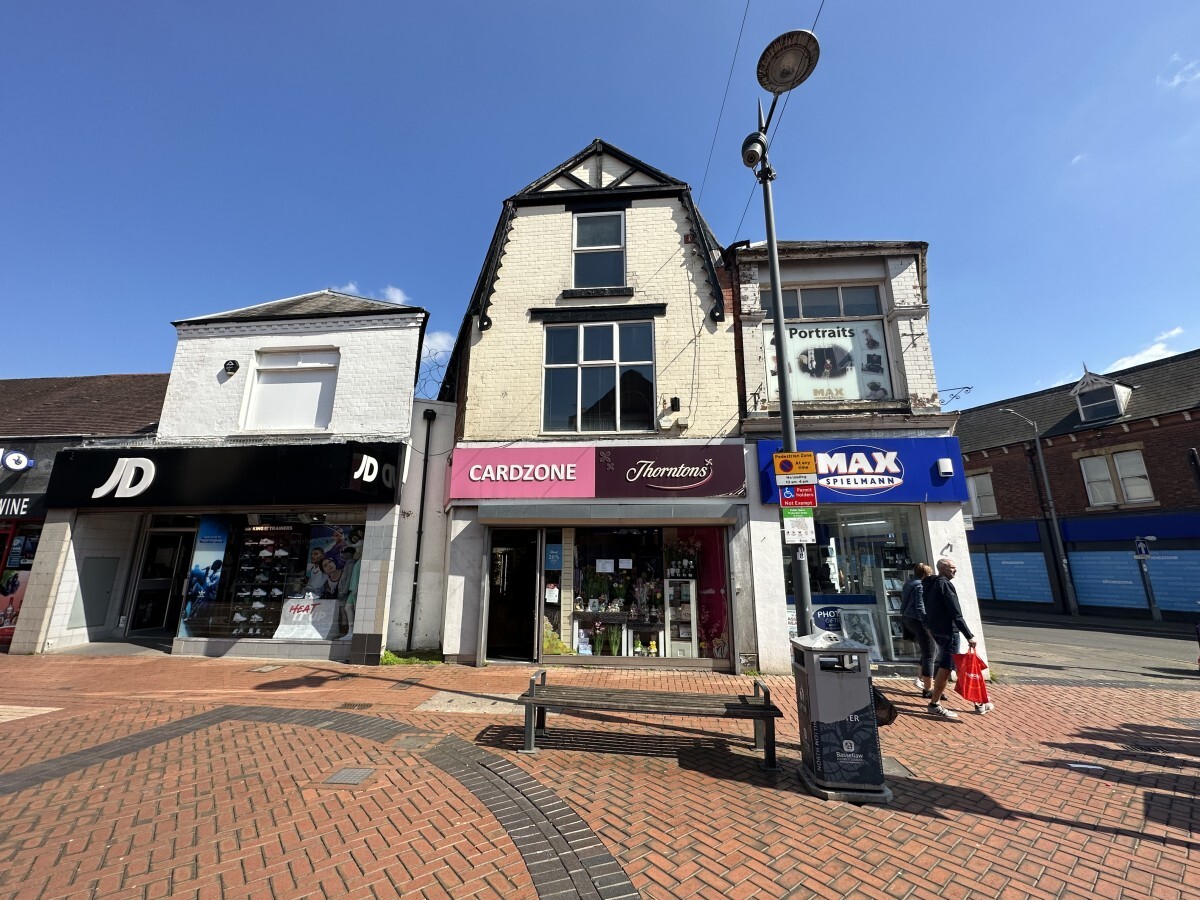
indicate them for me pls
(367, 469)
(130, 477)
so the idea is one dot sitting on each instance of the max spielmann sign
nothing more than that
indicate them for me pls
(659, 471)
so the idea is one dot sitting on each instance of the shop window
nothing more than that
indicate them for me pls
(1116, 477)
(273, 577)
(983, 498)
(293, 390)
(650, 593)
(599, 247)
(599, 377)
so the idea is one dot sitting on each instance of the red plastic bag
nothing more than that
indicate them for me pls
(971, 684)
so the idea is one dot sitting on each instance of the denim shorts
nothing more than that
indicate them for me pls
(946, 645)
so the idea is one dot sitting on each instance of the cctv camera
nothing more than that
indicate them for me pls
(754, 148)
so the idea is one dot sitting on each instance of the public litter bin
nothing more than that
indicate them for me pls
(839, 735)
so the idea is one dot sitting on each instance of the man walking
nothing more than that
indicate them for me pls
(944, 617)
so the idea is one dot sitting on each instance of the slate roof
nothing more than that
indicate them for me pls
(1161, 387)
(317, 305)
(92, 405)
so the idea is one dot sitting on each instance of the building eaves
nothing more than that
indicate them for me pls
(1159, 388)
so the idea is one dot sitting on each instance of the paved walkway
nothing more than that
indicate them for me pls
(154, 776)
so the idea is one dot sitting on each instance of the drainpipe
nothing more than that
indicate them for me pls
(428, 415)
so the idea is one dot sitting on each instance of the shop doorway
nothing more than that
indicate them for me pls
(161, 583)
(512, 605)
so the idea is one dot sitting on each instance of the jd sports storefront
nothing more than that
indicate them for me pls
(270, 551)
(617, 553)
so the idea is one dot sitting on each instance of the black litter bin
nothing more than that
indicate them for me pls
(839, 734)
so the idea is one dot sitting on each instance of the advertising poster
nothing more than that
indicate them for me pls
(204, 576)
(831, 361)
(334, 557)
(12, 592)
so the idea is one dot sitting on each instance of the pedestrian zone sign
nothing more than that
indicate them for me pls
(803, 462)
(1141, 549)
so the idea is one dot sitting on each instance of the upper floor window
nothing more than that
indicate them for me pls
(1099, 403)
(983, 498)
(599, 250)
(599, 377)
(292, 390)
(1116, 478)
(846, 302)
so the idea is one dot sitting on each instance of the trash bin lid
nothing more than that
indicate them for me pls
(826, 642)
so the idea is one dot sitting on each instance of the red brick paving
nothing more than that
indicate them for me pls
(238, 809)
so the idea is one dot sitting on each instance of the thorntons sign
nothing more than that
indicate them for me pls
(651, 470)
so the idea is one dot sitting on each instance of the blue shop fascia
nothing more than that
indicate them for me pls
(883, 504)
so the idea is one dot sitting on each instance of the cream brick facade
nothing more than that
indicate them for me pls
(694, 356)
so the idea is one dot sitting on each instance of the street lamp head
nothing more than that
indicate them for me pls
(788, 61)
(754, 148)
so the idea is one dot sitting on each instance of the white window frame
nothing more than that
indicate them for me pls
(1113, 397)
(765, 301)
(317, 363)
(979, 508)
(606, 248)
(616, 363)
(1121, 469)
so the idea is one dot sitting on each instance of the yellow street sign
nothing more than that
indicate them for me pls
(801, 462)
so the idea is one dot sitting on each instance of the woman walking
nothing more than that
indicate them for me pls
(912, 612)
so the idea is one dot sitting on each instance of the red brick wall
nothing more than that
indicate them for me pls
(1164, 451)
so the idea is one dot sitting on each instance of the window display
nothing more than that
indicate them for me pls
(279, 578)
(14, 577)
(650, 592)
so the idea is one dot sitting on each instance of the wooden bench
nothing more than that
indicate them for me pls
(722, 706)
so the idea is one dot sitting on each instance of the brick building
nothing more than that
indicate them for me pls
(865, 401)
(1120, 459)
(598, 473)
(263, 515)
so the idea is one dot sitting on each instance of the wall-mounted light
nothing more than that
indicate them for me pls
(231, 366)
(674, 404)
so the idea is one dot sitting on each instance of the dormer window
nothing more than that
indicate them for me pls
(1100, 399)
(1099, 403)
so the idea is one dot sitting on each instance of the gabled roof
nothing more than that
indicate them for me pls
(598, 175)
(1158, 388)
(92, 405)
(1090, 381)
(317, 305)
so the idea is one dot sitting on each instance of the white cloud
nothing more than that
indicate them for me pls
(438, 342)
(1080, 157)
(1167, 335)
(1157, 350)
(1186, 74)
(395, 295)
(350, 287)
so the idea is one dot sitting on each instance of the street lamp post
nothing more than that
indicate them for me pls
(785, 64)
(1055, 535)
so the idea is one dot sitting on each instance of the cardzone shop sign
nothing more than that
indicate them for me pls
(860, 469)
(516, 472)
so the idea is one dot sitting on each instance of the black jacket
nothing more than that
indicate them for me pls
(943, 615)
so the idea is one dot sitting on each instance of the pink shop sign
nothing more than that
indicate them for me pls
(490, 473)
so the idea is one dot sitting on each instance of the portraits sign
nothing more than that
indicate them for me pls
(831, 361)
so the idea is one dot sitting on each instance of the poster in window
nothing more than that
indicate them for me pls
(831, 361)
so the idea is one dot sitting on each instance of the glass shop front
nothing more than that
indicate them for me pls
(870, 528)
(241, 544)
(636, 575)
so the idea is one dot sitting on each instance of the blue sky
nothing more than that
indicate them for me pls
(166, 160)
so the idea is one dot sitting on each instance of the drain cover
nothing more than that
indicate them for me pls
(1143, 748)
(355, 706)
(349, 776)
